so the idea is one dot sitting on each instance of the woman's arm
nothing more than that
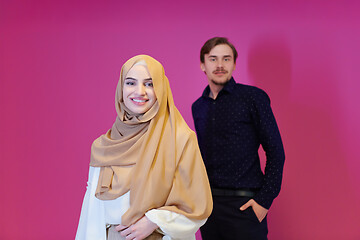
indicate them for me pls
(174, 225)
(92, 222)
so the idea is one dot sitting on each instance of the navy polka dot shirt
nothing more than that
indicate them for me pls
(230, 130)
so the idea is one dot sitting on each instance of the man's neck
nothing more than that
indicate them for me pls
(214, 90)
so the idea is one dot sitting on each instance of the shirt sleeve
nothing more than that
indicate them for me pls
(175, 226)
(271, 142)
(92, 220)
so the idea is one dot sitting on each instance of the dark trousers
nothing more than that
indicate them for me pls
(228, 222)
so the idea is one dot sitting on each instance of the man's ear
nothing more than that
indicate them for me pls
(202, 66)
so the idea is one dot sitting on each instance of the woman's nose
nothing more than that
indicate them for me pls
(140, 90)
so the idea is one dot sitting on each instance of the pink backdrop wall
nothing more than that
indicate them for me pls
(59, 66)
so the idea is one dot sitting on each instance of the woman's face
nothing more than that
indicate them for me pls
(138, 90)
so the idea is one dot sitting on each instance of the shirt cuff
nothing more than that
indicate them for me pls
(264, 200)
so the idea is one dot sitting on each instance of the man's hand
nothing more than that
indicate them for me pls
(139, 230)
(260, 211)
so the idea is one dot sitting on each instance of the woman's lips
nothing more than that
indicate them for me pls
(139, 101)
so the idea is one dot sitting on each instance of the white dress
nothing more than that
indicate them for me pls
(96, 214)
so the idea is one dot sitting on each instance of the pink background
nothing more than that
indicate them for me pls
(59, 66)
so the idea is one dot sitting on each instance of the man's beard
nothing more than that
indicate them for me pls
(219, 83)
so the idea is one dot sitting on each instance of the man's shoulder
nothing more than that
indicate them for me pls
(248, 88)
(197, 102)
(250, 91)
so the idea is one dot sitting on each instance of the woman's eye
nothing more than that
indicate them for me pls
(129, 83)
(149, 84)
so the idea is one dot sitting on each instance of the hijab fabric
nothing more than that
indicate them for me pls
(154, 155)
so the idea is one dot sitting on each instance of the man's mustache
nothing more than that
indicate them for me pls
(220, 70)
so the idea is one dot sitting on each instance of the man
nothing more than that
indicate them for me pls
(231, 121)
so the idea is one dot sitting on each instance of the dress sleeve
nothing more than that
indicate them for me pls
(175, 226)
(92, 220)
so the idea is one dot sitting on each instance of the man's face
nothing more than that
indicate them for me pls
(219, 64)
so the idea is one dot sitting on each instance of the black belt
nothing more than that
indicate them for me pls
(232, 192)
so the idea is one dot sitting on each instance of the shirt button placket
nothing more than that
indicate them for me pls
(213, 126)
(213, 111)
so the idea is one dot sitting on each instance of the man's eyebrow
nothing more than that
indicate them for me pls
(215, 56)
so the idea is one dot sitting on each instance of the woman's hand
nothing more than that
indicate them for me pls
(137, 231)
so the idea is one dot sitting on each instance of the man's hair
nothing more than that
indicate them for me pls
(211, 43)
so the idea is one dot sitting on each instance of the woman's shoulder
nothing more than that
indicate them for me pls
(183, 131)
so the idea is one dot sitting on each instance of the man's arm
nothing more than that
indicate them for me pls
(270, 139)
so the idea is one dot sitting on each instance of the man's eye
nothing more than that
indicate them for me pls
(212, 59)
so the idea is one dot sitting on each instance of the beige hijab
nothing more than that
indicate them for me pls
(155, 155)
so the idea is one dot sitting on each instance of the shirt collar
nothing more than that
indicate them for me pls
(229, 87)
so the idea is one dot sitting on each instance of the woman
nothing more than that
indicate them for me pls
(146, 177)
